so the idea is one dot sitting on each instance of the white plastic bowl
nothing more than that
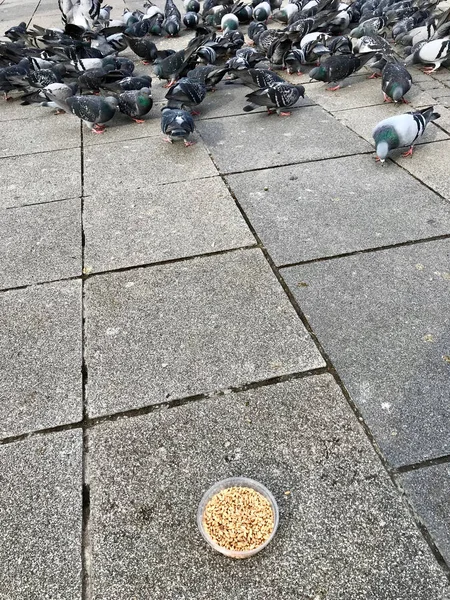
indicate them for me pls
(236, 482)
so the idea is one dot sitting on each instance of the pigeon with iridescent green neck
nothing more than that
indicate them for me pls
(135, 104)
(401, 130)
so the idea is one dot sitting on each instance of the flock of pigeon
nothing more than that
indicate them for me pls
(78, 69)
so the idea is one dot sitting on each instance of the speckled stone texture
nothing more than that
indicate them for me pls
(189, 328)
(383, 319)
(344, 533)
(41, 511)
(40, 349)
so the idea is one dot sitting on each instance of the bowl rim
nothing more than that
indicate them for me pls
(236, 482)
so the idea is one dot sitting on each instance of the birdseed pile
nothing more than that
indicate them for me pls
(239, 519)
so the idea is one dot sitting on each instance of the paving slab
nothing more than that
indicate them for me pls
(121, 129)
(40, 243)
(143, 163)
(189, 328)
(229, 99)
(428, 490)
(363, 121)
(11, 10)
(359, 92)
(14, 111)
(309, 134)
(41, 357)
(40, 504)
(383, 319)
(40, 135)
(344, 533)
(430, 164)
(171, 221)
(35, 178)
(330, 207)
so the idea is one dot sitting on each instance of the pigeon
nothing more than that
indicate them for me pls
(15, 33)
(133, 83)
(60, 91)
(135, 103)
(278, 96)
(336, 68)
(259, 78)
(172, 20)
(143, 47)
(208, 75)
(186, 94)
(262, 12)
(435, 52)
(396, 82)
(82, 13)
(401, 130)
(173, 66)
(177, 124)
(192, 6)
(191, 19)
(93, 79)
(94, 111)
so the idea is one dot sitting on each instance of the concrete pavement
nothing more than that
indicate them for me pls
(269, 303)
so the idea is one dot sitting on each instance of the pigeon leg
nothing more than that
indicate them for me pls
(374, 76)
(139, 121)
(6, 97)
(409, 153)
(98, 128)
(333, 89)
(429, 70)
(285, 114)
(168, 140)
(270, 112)
(386, 98)
(145, 62)
(187, 144)
(405, 101)
(59, 111)
(195, 113)
(169, 84)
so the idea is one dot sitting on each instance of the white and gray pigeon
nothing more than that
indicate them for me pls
(59, 91)
(177, 125)
(431, 53)
(82, 13)
(94, 111)
(276, 98)
(401, 130)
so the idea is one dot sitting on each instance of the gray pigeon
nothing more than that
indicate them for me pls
(94, 111)
(60, 91)
(177, 124)
(186, 94)
(401, 130)
(278, 96)
(135, 104)
(396, 82)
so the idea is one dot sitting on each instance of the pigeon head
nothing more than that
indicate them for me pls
(397, 93)
(158, 70)
(112, 101)
(382, 150)
(172, 27)
(318, 73)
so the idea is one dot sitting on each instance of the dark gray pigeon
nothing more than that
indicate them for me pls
(135, 104)
(396, 82)
(172, 19)
(258, 78)
(209, 75)
(335, 69)
(186, 94)
(177, 125)
(278, 96)
(143, 47)
(94, 111)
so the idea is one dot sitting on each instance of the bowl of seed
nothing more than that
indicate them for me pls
(238, 517)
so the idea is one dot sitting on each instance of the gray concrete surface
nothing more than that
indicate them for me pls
(40, 539)
(97, 505)
(343, 526)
